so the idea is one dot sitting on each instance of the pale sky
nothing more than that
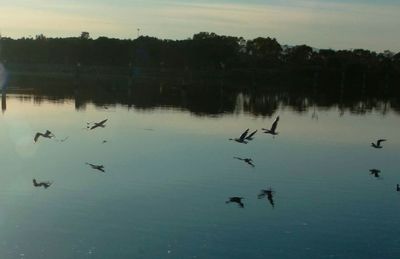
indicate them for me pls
(337, 24)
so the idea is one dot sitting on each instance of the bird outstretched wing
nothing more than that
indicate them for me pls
(38, 134)
(103, 121)
(275, 124)
(244, 134)
(251, 135)
(380, 141)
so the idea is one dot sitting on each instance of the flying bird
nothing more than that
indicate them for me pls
(97, 167)
(237, 200)
(242, 138)
(246, 160)
(375, 172)
(269, 194)
(272, 130)
(378, 143)
(47, 134)
(100, 124)
(251, 136)
(40, 184)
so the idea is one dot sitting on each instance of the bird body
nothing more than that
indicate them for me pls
(272, 130)
(398, 187)
(378, 143)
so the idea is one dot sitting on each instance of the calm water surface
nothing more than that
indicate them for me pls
(169, 173)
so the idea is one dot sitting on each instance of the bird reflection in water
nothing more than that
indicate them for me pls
(94, 125)
(237, 200)
(45, 184)
(246, 160)
(375, 172)
(269, 193)
(96, 167)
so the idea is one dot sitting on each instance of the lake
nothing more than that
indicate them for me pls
(169, 169)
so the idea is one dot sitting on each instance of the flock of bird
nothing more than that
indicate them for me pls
(49, 135)
(245, 138)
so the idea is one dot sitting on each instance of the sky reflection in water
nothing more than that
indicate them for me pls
(169, 173)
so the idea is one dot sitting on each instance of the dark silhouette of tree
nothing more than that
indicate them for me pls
(256, 60)
(265, 51)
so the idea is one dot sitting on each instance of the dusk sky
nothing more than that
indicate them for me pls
(337, 24)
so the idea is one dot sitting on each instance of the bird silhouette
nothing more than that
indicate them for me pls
(247, 160)
(269, 194)
(237, 200)
(378, 143)
(251, 136)
(100, 124)
(242, 138)
(272, 130)
(47, 134)
(97, 167)
(398, 187)
(375, 172)
(40, 184)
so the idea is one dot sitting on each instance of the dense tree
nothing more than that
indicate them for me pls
(204, 51)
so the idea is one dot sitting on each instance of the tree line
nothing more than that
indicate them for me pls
(203, 52)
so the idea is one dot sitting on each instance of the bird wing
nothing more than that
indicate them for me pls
(380, 141)
(271, 201)
(37, 136)
(261, 195)
(275, 124)
(91, 165)
(103, 121)
(250, 163)
(94, 126)
(252, 134)
(244, 134)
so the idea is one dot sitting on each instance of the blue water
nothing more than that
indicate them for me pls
(169, 173)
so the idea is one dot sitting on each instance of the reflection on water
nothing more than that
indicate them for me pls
(237, 200)
(203, 97)
(170, 169)
(269, 194)
(45, 184)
